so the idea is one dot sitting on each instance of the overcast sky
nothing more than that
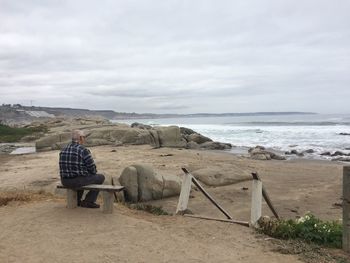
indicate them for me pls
(184, 56)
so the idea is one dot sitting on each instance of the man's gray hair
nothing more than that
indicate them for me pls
(76, 134)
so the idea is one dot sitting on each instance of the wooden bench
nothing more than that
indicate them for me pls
(107, 195)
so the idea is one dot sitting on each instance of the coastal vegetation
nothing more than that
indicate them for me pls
(308, 228)
(14, 134)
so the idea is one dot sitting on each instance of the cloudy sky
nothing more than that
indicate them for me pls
(177, 56)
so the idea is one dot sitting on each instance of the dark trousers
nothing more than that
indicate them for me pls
(80, 181)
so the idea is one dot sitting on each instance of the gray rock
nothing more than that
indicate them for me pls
(140, 126)
(326, 153)
(338, 153)
(171, 137)
(198, 138)
(52, 141)
(342, 159)
(129, 179)
(259, 153)
(150, 184)
(186, 131)
(142, 183)
(261, 156)
(309, 151)
(192, 145)
(215, 146)
(217, 176)
(172, 185)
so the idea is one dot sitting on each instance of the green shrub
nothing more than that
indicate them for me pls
(308, 228)
(14, 134)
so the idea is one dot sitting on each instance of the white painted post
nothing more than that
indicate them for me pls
(184, 194)
(108, 198)
(72, 201)
(346, 208)
(255, 212)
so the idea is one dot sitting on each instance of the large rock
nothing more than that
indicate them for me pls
(198, 138)
(52, 142)
(215, 146)
(128, 178)
(142, 183)
(172, 185)
(140, 126)
(259, 153)
(216, 176)
(171, 137)
(150, 184)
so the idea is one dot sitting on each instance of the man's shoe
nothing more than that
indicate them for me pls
(89, 204)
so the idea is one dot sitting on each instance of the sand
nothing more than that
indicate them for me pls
(45, 231)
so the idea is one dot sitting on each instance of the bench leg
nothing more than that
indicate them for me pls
(72, 201)
(108, 199)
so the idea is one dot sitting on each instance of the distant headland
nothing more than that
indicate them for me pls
(17, 112)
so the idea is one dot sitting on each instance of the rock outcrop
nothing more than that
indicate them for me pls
(172, 136)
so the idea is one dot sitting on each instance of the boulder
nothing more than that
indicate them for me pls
(154, 138)
(326, 153)
(186, 131)
(51, 141)
(261, 156)
(172, 185)
(338, 153)
(192, 145)
(342, 159)
(142, 183)
(344, 133)
(140, 126)
(215, 146)
(198, 138)
(259, 153)
(150, 183)
(170, 137)
(309, 151)
(129, 179)
(217, 176)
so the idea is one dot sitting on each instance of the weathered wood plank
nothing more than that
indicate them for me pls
(108, 199)
(194, 180)
(266, 196)
(184, 194)
(97, 187)
(72, 201)
(255, 212)
(243, 223)
(346, 208)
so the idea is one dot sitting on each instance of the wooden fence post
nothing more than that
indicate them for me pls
(255, 212)
(346, 208)
(184, 194)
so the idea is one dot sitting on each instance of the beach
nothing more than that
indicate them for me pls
(82, 235)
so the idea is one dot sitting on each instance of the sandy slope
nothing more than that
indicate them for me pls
(45, 231)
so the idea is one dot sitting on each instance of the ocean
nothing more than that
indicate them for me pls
(320, 132)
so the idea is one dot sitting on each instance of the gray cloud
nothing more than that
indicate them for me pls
(176, 56)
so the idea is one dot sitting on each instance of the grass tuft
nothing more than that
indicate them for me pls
(155, 210)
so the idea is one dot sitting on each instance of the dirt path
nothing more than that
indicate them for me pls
(48, 232)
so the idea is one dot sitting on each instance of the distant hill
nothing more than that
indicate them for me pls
(22, 113)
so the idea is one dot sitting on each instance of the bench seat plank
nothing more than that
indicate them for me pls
(98, 187)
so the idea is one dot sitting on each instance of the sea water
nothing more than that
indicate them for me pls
(320, 132)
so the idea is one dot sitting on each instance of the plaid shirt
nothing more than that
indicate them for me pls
(76, 160)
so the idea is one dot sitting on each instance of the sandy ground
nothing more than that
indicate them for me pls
(45, 231)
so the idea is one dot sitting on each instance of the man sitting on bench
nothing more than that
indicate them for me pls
(77, 169)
